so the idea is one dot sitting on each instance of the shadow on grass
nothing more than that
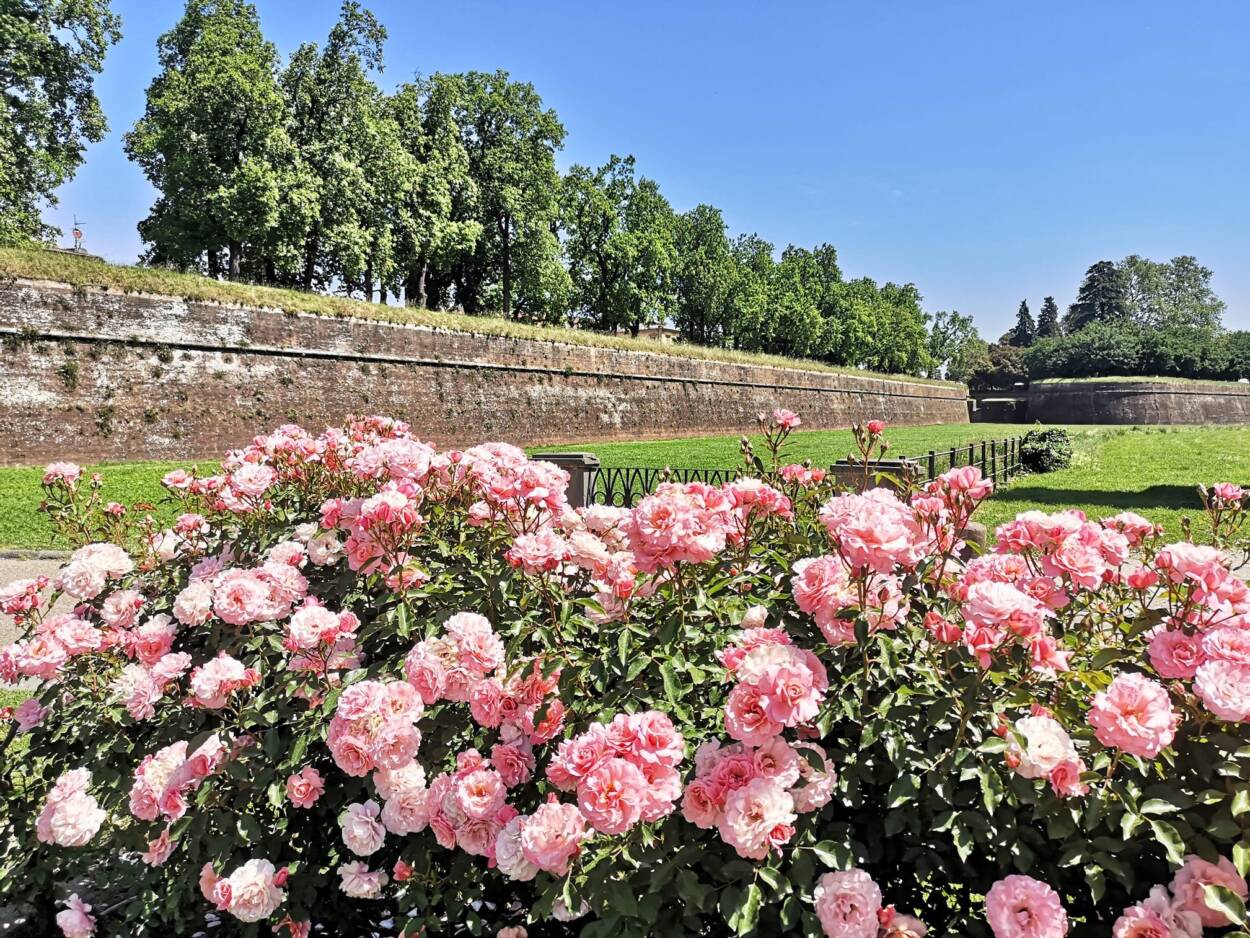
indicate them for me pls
(1156, 496)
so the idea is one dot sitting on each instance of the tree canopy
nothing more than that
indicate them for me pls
(50, 54)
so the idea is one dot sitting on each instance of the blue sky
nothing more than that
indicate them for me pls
(988, 152)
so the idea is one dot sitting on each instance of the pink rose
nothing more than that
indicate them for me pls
(1134, 714)
(76, 921)
(253, 896)
(1023, 907)
(552, 836)
(847, 904)
(305, 787)
(359, 882)
(611, 796)
(1173, 654)
(1196, 873)
(480, 794)
(363, 833)
(758, 818)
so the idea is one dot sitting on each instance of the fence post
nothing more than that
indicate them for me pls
(953, 457)
(582, 469)
(932, 465)
(984, 464)
(994, 460)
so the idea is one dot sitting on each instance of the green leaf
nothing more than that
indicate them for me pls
(746, 914)
(1227, 901)
(829, 853)
(1241, 856)
(1241, 801)
(1170, 839)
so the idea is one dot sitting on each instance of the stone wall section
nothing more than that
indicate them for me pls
(89, 375)
(1139, 402)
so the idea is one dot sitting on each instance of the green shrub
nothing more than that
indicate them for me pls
(1045, 450)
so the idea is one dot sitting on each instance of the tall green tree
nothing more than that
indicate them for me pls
(349, 153)
(620, 246)
(511, 141)
(1175, 294)
(1022, 334)
(1101, 297)
(426, 231)
(751, 310)
(705, 277)
(956, 349)
(50, 54)
(1048, 324)
(212, 139)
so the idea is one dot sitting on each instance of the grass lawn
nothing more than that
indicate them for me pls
(1150, 470)
(23, 525)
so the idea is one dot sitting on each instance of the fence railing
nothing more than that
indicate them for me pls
(623, 486)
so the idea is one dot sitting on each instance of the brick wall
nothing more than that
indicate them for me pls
(93, 375)
(1139, 402)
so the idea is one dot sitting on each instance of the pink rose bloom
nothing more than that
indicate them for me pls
(540, 552)
(425, 671)
(993, 605)
(758, 818)
(787, 695)
(305, 787)
(1224, 688)
(76, 920)
(1065, 779)
(80, 580)
(194, 604)
(1196, 873)
(71, 817)
(1157, 916)
(746, 719)
(1173, 654)
(407, 810)
(29, 714)
(253, 895)
(509, 854)
(159, 850)
(1023, 907)
(514, 762)
(121, 609)
(480, 794)
(611, 796)
(252, 480)
(1135, 715)
(359, 882)
(363, 833)
(66, 472)
(552, 836)
(152, 641)
(786, 419)
(847, 904)
(1037, 745)
(702, 804)
(512, 931)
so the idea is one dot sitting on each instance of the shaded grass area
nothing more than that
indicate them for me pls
(23, 525)
(35, 264)
(11, 698)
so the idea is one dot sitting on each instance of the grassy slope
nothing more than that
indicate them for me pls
(85, 272)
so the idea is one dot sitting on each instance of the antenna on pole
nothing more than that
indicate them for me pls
(78, 234)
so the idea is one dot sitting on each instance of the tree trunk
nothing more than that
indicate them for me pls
(310, 262)
(423, 299)
(369, 281)
(507, 268)
(271, 271)
(214, 264)
(236, 259)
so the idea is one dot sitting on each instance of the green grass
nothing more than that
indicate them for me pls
(822, 447)
(35, 264)
(1153, 471)
(22, 525)
(11, 698)
(1150, 470)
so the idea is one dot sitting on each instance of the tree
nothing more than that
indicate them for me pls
(212, 139)
(751, 301)
(1172, 295)
(426, 231)
(1100, 299)
(1003, 368)
(511, 142)
(620, 246)
(956, 349)
(50, 53)
(705, 277)
(1025, 330)
(1048, 325)
(349, 154)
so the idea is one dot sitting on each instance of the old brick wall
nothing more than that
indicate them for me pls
(93, 375)
(1139, 402)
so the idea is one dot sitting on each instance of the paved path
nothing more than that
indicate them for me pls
(19, 568)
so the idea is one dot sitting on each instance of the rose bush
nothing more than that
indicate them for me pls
(364, 686)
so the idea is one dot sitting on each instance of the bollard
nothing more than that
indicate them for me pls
(582, 469)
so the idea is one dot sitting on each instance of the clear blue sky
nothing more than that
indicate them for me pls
(988, 152)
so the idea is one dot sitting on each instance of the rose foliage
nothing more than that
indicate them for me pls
(365, 686)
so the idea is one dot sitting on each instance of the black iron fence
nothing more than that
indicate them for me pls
(623, 486)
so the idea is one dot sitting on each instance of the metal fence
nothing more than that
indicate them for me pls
(622, 486)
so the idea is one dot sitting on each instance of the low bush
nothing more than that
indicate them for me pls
(1045, 450)
(361, 686)
(1119, 349)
